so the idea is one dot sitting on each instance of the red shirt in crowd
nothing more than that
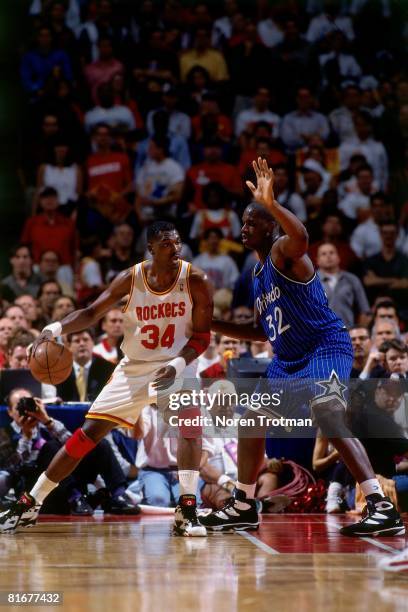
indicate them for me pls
(200, 175)
(108, 170)
(58, 234)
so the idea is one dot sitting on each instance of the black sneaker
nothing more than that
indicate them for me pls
(120, 504)
(230, 517)
(380, 518)
(22, 514)
(81, 507)
(186, 521)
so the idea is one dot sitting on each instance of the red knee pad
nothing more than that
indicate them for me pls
(189, 422)
(79, 444)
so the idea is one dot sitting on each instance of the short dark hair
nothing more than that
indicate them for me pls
(47, 282)
(49, 192)
(157, 228)
(388, 303)
(21, 337)
(88, 331)
(161, 141)
(50, 251)
(364, 168)
(21, 245)
(353, 327)
(378, 195)
(213, 230)
(398, 345)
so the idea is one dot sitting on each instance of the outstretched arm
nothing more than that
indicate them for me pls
(86, 317)
(295, 242)
(246, 331)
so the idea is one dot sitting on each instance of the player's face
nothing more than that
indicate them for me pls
(166, 249)
(256, 230)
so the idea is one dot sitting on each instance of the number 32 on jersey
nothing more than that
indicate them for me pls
(275, 324)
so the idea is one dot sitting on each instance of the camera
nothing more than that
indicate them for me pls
(26, 404)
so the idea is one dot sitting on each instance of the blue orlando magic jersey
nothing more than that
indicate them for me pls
(295, 316)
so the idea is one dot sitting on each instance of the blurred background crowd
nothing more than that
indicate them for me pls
(138, 111)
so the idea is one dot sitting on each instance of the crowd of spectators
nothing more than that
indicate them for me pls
(137, 111)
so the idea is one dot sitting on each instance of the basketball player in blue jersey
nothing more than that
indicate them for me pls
(311, 346)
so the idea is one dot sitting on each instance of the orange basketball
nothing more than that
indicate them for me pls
(51, 363)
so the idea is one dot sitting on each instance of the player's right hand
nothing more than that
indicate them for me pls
(164, 379)
(45, 336)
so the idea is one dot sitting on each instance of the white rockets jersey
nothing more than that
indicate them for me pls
(157, 325)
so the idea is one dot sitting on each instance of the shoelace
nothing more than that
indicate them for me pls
(229, 503)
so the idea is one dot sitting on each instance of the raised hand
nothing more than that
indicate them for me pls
(263, 192)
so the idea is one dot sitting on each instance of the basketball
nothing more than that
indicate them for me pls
(51, 363)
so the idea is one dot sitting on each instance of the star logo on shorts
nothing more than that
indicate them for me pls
(333, 386)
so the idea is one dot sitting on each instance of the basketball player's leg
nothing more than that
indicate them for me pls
(330, 369)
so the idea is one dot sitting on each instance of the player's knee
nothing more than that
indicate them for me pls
(79, 444)
(189, 423)
(330, 417)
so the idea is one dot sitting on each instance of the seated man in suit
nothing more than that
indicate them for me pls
(89, 373)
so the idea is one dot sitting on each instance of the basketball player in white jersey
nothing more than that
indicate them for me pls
(167, 319)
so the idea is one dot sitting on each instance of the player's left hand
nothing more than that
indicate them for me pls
(165, 378)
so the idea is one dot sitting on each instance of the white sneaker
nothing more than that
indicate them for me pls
(395, 563)
(21, 515)
(333, 505)
(185, 518)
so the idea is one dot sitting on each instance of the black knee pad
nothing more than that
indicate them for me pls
(330, 417)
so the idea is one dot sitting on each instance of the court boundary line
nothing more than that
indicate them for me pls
(381, 545)
(259, 543)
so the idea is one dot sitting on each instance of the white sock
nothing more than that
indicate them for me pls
(188, 480)
(249, 490)
(42, 488)
(333, 490)
(371, 486)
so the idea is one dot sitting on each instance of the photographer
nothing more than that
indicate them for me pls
(37, 438)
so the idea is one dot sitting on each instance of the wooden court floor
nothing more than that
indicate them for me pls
(294, 563)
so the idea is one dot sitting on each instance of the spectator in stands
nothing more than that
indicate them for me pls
(109, 181)
(332, 228)
(356, 204)
(299, 125)
(227, 348)
(6, 331)
(385, 309)
(329, 20)
(360, 339)
(122, 256)
(366, 238)
(215, 214)
(269, 31)
(384, 330)
(62, 174)
(22, 278)
(50, 269)
(108, 112)
(316, 185)
(30, 308)
(259, 111)
(222, 27)
(50, 230)
(395, 358)
(43, 62)
(159, 183)
(203, 55)
(48, 292)
(179, 123)
(341, 118)
(62, 307)
(344, 290)
(90, 280)
(112, 327)
(285, 196)
(211, 169)
(388, 270)
(210, 122)
(89, 373)
(370, 99)
(336, 64)
(16, 315)
(103, 69)
(364, 143)
(38, 438)
(220, 269)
